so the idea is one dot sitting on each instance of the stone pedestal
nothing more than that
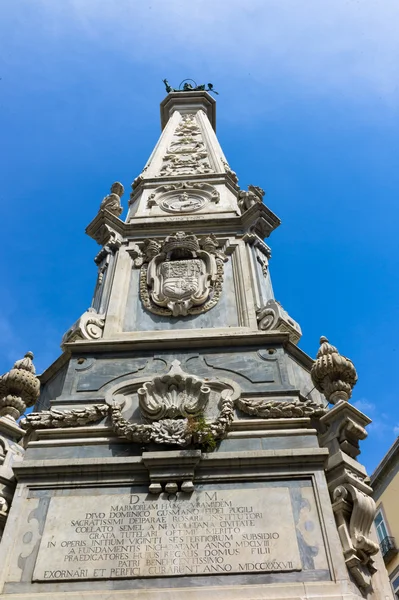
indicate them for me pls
(11, 453)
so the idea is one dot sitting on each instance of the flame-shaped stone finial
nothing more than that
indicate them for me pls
(19, 388)
(333, 375)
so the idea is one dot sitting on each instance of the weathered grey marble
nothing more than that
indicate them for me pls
(187, 456)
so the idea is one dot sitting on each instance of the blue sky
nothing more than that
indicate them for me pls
(308, 110)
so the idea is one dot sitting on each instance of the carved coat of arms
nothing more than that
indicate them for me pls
(182, 276)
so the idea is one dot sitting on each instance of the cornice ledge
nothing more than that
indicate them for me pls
(54, 367)
(217, 339)
(304, 359)
(260, 219)
(103, 225)
(36, 469)
(269, 457)
(184, 101)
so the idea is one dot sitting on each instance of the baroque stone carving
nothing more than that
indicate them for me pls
(181, 398)
(182, 197)
(253, 196)
(53, 419)
(112, 202)
(175, 394)
(187, 154)
(273, 317)
(89, 326)
(173, 431)
(232, 174)
(341, 428)
(106, 236)
(354, 512)
(333, 375)
(182, 276)
(19, 388)
(280, 409)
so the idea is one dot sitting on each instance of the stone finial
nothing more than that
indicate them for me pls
(112, 202)
(19, 388)
(333, 375)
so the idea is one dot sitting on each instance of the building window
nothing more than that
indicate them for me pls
(395, 585)
(387, 543)
(382, 530)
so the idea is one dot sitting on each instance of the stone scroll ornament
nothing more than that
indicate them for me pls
(335, 375)
(272, 316)
(181, 276)
(89, 326)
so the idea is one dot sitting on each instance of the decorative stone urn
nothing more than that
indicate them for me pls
(333, 375)
(19, 388)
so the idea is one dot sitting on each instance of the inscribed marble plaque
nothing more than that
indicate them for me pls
(136, 535)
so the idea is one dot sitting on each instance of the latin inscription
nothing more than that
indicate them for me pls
(136, 535)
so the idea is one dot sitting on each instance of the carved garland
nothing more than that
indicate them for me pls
(67, 418)
(172, 431)
(278, 409)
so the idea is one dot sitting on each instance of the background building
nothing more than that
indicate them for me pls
(385, 483)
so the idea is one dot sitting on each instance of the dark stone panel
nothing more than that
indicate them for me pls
(267, 443)
(86, 451)
(52, 389)
(106, 370)
(256, 371)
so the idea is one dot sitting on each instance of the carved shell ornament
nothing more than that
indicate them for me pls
(175, 394)
(182, 276)
(172, 403)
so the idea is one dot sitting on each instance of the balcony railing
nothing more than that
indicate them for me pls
(388, 548)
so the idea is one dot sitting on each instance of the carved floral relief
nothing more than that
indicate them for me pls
(187, 153)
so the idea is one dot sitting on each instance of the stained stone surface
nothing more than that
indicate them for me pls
(136, 535)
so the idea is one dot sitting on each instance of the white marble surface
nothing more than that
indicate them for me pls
(224, 531)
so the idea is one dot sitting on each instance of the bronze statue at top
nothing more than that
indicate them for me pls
(186, 86)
